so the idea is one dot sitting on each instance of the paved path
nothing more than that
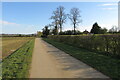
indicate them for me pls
(50, 62)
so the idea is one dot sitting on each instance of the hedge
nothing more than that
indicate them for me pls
(109, 44)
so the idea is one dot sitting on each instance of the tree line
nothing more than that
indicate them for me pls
(59, 17)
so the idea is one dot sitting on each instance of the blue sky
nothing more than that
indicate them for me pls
(30, 17)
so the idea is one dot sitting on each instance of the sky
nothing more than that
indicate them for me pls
(30, 17)
(59, 0)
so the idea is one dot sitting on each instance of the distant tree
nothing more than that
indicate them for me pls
(95, 29)
(103, 31)
(39, 33)
(62, 33)
(50, 28)
(19, 35)
(61, 16)
(114, 29)
(119, 31)
(33, 35)
(78, 32)
(85, 32)
(69, 32)
(55, 30)
(45, 31)
(74, 16)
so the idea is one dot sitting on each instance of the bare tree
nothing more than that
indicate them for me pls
(54, 17)
(74, 16)
(61, 16)
(114, 29)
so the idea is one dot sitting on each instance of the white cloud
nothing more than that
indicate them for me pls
(109, 8)
(4, 23)
(109, 4)
(7, 23)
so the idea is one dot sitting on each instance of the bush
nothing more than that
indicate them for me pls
(101, 43)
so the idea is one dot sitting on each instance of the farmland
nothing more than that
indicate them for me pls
(17, 65)
(10, 44)
(17, 52)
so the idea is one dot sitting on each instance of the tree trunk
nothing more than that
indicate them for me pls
(60, 28)
(74, 30)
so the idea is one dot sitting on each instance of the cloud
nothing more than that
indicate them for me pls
(108, 4)
(8, 23)
(109, 8)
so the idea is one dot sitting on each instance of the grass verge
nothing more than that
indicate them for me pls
(17, 65)
(105, 64)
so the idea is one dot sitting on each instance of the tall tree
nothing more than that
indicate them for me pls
(74, 16)
(95, 29)
(61, 16)
(54, 17)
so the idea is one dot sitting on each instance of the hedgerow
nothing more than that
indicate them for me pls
(109, 44)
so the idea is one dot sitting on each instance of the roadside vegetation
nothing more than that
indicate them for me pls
(105, 44)
(105, 64)
(99, 47)
(17, 64)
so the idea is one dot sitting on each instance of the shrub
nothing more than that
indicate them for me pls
(102, 43)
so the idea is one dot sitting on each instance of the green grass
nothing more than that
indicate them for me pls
(18, 63)
(105, 64)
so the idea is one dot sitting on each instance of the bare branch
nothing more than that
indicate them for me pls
(74, 16)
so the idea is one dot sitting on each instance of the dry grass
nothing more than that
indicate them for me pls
(10, 44)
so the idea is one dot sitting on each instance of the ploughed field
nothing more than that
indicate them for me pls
(11, 44)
